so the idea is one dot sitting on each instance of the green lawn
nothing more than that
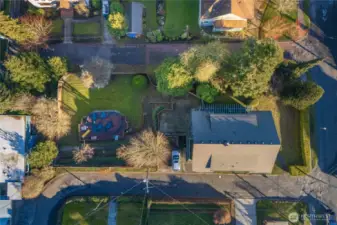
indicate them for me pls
(179, 14)
(129, 211)
(90, 28)
(75, 211)
(151, 14)
(118, 95)
(287, 125)
(57, 27)
(279, 211)
(171, 214)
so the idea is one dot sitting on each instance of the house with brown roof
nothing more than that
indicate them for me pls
(225, 15)
(233, 142)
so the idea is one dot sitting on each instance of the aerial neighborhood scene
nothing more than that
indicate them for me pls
(168, 112)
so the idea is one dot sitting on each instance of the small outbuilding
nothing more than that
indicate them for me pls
(134, 15)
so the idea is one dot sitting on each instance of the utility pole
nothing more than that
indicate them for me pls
(146, 181)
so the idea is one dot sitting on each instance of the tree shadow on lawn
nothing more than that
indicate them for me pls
(50, 206)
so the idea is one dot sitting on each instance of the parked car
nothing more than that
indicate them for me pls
(105, 8)
(176, 160)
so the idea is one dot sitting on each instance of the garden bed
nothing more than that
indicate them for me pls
(119, 95)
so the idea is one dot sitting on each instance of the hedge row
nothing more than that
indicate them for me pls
(155, 113)
(298, 170)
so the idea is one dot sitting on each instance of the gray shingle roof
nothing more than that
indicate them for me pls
(250, 128)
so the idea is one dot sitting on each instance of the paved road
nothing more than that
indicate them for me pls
(43, 210)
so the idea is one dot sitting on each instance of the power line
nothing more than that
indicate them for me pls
(179, 203)
(96, 210)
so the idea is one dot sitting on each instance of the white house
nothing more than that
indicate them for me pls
(225, 15)
(14, 136)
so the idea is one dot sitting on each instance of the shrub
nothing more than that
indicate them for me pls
(296, 170)
(116, 7)
(155, 119)
(34, 184)
(43, 154)
(207, 93)
(301, 95)
(96, 4)
(139, 82)
(83, 154)
(155, 36)
(254, 103)
(82, 9)
(117, 24)
(58, 67)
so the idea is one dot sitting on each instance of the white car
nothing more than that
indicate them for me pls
(176, 160)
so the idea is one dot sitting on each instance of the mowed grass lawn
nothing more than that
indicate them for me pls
(171, 214)
(76, 211)
(90, 28)
(57, 27)
(151, 14)
(119, 95)
(287, 122)
(280, 210)
(179, 14)
(129, 210)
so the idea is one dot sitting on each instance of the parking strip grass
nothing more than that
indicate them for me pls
(119, 95)
(270, 210)
(76, 211)
(176, 214)
(90, 29)
(178, 15)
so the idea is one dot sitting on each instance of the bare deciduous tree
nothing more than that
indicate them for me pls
(87, 79)
(40, 28)
(222, 216)
(23, 102)
(146, 150)
(100, 69)
(48, 120)
(83, 154)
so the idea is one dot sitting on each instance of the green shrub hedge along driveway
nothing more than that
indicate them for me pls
(178, 15)
(118, 95)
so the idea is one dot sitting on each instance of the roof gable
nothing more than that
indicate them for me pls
(250, 128)
(216, 8)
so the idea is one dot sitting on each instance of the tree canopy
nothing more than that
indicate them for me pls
(248, 72)
(28, 70)
(58, 67)
(43, 154)
(146, 150)
(301, 95)
(13, 29)
(207, 93)
(173, 78)
(203, 61)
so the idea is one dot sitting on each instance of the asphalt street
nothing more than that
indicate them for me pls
(44, 209)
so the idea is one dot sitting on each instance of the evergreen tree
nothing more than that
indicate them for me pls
(4, 92)
(13, 29)
(301, 95)
(248, 72)
(28, 70)
(172, 78)
(207, 93)
(43, 154)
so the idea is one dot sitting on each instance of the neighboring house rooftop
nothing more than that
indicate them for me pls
(250, 128)
(216, 8)
(246, 142)
(276, 223)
